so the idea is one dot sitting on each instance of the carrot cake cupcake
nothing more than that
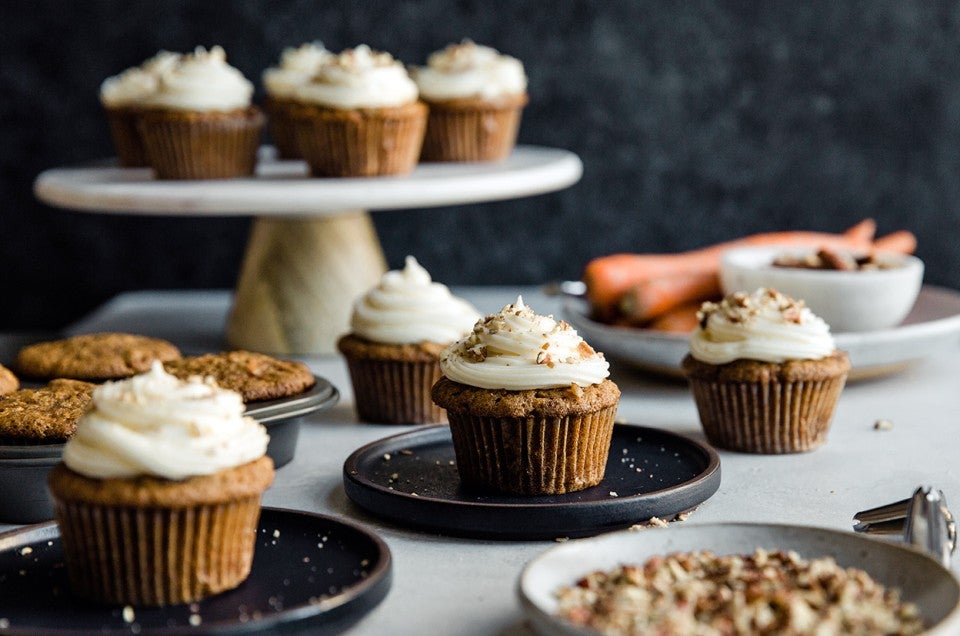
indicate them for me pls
(765, 373)
(93, 356)
(158, 494)
(296, 67)
(200, 122)
(359, 116)
(123, 96)
(255, 376)
(393, 350)
(476, 96)
(43, 415)
(530, 406)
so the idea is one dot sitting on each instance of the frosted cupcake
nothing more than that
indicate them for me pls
(398, 330)
(123, 96)
(476, 96)
(296, 67)
(200, 123)
(765, 373)
(359, 115)
(530, 406)
(158, 494)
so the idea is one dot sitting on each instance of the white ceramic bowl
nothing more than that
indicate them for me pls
(849, 301)
(921, 579)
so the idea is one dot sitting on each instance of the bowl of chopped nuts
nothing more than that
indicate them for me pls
(851, 292)
(738, 578)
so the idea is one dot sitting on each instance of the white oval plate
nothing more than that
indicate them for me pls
(921, 579)
(932, 325)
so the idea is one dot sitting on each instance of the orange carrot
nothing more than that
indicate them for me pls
(650, 298)
(609, 277)
(679, 319)
(901, 241)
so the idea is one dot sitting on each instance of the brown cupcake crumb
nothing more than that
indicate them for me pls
(8, 382)
(46, 415)
(558, 402)
(94, 357)
(255, 376)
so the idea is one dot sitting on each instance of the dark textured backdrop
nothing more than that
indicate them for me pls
(696, 122)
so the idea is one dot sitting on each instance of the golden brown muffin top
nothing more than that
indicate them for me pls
(756, 371)
(255, 376)
(94, 357)
(559, 402)
(8, 381)
(246, 480)
(357, 348)
(45, 415)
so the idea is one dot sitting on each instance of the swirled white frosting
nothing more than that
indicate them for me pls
(202, 81)
(297, 66)
(519, 350)
(470, 70)
(407, 307)
(765, 325)
(156, 424)
(359, 78)
(137, 83)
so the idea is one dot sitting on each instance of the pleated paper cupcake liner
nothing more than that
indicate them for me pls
(532, 455)
(126, 137)
(395, 392)
(770, 417)
(471, 133)
(186, 147)
(157, 556)
(361, 143)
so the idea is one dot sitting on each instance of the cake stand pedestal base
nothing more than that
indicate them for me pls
(298, 282)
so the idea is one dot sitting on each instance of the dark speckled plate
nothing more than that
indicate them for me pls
(412, 478)
(310, 573)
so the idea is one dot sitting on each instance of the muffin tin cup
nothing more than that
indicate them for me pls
(395, 392)
(200, 145)
(772, 417)
(472, 130)
(535, 455)
(360, 142)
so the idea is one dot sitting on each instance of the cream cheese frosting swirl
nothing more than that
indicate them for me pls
(158, 425)
(297, 66)
(202, 81)
(407, 307)
(765, 325)
(519, 350)
(359, 78)
(135, 84)
(469, 70)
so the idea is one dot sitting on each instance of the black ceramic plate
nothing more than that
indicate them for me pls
(412, 478)
(310, 573)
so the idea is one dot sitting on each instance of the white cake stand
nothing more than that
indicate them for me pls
(313, 248)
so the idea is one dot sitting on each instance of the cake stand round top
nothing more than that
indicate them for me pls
(285, 188)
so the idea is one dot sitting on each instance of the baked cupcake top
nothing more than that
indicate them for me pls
(519, 350)
(201, 81)
(468, 70)
(154, 424)
(359, 78)
(766, 325)
(408, 307)
(44, 415)
(93, 356)
(255, 376)
(296, 67)
(134, 85)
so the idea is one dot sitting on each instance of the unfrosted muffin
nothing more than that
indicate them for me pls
(93, 356)
(123, 97)
(158, 494)
(280, 83)
(200, 123)
(765, 373)
(8, 381)
(398, 329)
(255, 376)
(530, 407)
(476, 96)
(43, 415)
(359, 116)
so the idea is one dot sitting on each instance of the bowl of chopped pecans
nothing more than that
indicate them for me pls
(851, 292)
(738, 578)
